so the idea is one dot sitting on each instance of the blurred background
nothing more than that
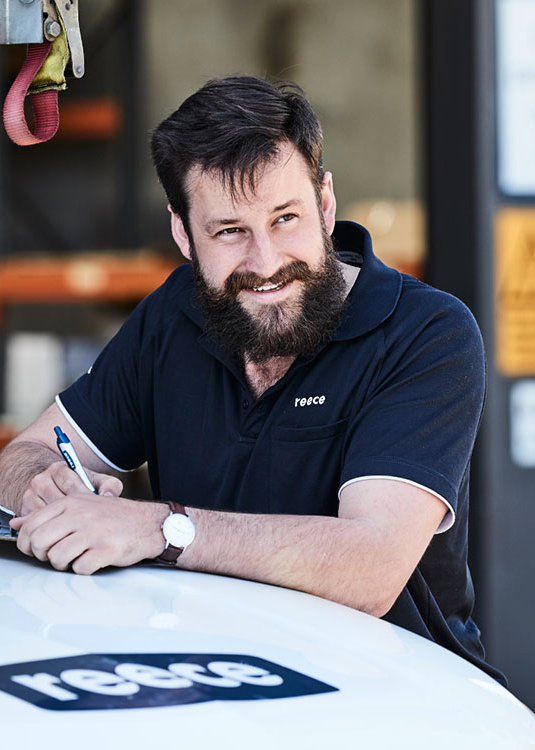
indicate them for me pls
(428, 111)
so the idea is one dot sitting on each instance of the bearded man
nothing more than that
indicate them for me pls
(307, 414)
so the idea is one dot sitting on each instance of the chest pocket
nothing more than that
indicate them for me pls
(306, 464)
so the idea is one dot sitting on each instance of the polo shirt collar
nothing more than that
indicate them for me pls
(372, 299)
(376, 292)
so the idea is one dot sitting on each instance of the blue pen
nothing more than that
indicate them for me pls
(66, 449)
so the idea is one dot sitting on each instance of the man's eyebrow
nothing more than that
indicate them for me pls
(291, 202)
(214, 223)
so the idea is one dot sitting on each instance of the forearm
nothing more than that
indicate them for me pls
(330, 557)
(20, 461)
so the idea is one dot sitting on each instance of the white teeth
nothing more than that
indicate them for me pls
(269, 288)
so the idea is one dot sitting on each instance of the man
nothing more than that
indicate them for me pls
(312, 409)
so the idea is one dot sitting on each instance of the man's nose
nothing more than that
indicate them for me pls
(264, 257)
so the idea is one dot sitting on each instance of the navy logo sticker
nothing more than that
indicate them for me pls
(111, 681)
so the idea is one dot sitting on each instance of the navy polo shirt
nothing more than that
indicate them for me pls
(398, 392)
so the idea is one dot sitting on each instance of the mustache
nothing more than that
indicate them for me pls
(297, 270)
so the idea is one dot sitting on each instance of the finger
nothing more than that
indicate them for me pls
(62, 554)
(53, 484)
(48, 534)
(43, 487)
(106, 484)
(28, 524)
(67, 480)
(30, 502)
(87, 564)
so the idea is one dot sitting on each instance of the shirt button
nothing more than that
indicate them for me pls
(245, 403)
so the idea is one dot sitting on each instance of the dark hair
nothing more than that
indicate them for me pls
(234, 126)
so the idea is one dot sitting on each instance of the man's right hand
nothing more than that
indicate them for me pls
(58, 480)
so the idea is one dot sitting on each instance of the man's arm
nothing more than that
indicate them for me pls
(362, 558)
(33, 474)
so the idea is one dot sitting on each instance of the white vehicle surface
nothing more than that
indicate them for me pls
(149, 657)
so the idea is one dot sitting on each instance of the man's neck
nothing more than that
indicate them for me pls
(262, 376)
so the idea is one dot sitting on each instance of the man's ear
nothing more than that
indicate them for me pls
(180, 235)
(328, 201)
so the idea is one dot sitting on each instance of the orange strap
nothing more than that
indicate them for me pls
(45, 104)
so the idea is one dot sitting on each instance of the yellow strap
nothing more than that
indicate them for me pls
(51, 75)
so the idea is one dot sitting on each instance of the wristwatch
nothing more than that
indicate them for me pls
(178, 531)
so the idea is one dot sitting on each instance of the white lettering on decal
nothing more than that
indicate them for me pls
(97, 681)
(44, 683)
(128, 677)
(155, 677)
(246, 673)
(197, 673)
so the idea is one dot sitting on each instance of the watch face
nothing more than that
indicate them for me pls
(178, 530)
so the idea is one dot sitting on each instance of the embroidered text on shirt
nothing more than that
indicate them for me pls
(311, 400)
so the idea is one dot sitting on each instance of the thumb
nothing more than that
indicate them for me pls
(16, 523)
(107, 485)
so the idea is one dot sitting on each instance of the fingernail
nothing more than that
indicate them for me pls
(109, 493)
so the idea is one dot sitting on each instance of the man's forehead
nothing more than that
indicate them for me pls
(231, 188)
(282, 175)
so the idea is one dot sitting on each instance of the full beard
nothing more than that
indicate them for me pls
(294, 327)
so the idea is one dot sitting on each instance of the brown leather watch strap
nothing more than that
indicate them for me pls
(171, 554)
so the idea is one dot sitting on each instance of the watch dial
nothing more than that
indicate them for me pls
(178, 530)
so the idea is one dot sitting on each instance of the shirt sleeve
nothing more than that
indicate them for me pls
(104, 405)
(420, 420)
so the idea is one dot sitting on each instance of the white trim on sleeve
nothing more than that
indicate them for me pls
(86, 440)
(448, 520)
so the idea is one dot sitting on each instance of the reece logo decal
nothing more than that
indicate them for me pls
(309, 401)
(110, 681)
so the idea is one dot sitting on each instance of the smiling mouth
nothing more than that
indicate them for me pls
(269, 287)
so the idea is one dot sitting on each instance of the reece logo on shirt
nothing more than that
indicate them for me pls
(309, 401)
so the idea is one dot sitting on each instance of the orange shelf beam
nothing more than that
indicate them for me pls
(94, 277)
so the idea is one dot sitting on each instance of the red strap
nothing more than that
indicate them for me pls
(45, 104)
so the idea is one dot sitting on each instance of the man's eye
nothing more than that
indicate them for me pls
(286, 218)
(228, 231)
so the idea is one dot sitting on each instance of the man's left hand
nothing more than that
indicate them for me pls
(86, 532)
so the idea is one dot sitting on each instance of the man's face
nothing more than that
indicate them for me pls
(269, 284)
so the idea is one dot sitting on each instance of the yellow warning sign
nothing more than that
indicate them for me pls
(515, 291)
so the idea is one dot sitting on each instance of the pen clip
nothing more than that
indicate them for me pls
(61, 436)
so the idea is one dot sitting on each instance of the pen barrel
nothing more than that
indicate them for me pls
(73, 462)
